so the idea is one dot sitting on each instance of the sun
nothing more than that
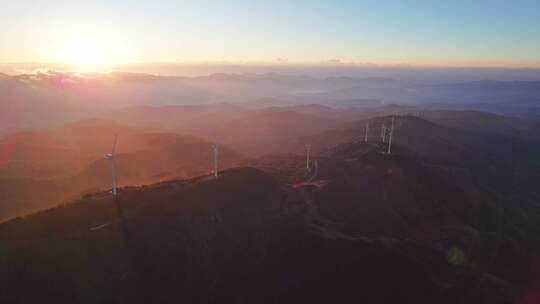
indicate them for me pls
(87, 51)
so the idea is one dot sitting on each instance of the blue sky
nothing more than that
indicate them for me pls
(417, 32)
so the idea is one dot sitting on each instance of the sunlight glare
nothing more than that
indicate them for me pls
(85, 50)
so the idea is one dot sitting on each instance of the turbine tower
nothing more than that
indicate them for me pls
(367, 131)
(308, 150)
(390, 137)
(215, 148)
(111, 157)
(383, 133)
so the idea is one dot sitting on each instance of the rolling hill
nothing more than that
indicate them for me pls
(253, 132)
(41, 169)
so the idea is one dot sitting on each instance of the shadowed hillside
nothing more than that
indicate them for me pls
(506, 163)
(362, 224)
(213, 240)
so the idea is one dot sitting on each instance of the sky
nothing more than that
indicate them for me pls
(478, 33)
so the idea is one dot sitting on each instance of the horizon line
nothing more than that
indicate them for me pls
(334, 63)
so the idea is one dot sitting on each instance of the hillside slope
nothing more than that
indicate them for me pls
(195, 241)
(362, 224)
(39, 170)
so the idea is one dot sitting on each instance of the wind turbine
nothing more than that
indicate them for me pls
(383, 133)
(390, 137)
(110, 157)
(367, 131)
(215, 148)
(308, 150)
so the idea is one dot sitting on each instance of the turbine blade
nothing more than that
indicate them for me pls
(114, 144)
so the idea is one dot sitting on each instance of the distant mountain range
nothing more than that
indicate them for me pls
(66, 97)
